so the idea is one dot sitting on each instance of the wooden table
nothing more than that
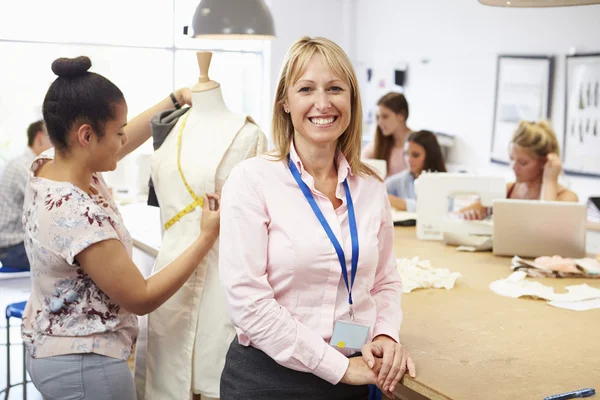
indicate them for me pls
(470, 343)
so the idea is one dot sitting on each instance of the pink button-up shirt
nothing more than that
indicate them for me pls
(280, 272)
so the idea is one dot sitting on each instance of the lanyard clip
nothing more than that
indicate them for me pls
(351, 312)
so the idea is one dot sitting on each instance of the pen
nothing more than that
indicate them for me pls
(570, 395)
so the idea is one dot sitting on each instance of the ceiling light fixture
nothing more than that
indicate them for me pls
(233, 19)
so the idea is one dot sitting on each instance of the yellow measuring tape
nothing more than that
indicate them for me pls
(198, 201)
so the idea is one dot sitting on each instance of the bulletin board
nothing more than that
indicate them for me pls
(581, 141)
(523, 92)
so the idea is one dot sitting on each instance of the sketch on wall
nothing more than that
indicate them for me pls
(523, 92)
(581, 146)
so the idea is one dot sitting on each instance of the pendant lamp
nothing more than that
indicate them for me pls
(233, 19)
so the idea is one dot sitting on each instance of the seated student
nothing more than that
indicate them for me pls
(13, 181)
(535, 160)
(423, 153)
(391, 133)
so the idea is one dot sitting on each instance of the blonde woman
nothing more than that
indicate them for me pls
(534, 156)
(535, 160)
(308, 265)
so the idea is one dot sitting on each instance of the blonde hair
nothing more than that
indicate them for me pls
(537, 137)
(294, 65)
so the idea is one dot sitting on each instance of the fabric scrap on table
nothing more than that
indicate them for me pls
(419, 274)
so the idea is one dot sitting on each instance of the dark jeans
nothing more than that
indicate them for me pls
(14, 257)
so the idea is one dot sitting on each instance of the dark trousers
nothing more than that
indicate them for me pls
(14, 257)
(250, 374)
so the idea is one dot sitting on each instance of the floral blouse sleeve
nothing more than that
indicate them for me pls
(76, 221)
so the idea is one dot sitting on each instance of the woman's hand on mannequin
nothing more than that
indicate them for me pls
(138, 130)
(396, 362)
(112, 269)
(211, 217)
(184, 96)
(552, 168)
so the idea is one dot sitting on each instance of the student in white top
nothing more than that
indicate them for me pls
(423, 153)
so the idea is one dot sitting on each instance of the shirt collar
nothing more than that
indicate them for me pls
(35, 160)
(344, 169)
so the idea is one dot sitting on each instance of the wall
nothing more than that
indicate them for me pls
(451, 49)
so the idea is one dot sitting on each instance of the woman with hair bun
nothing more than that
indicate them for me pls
(80, 325)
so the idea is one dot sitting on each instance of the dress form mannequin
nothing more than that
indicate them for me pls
(189, 335)
(204, 82)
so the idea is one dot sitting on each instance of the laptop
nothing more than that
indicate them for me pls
(529, 228)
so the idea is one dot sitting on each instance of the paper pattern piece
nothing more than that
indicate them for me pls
(579, 296)
(577, 305)
(416, 274)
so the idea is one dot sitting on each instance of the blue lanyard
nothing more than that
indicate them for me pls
(338, 248)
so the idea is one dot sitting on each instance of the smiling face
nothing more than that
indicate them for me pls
(319, 104)
(526, 166)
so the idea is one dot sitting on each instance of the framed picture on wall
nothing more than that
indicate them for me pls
(523, 92)
(581, 145)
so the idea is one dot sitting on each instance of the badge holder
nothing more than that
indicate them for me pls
(349, 334)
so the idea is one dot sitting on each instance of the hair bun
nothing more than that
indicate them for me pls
(71, 67)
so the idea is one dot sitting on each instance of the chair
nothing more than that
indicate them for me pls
(13, 273)
(14, 310)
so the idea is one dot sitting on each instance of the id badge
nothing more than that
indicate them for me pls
(349, 335)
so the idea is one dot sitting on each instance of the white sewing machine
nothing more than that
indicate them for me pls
(437, 195)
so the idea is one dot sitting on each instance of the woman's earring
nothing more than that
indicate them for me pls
(287, 111)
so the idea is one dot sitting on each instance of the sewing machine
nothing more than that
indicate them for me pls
(437, 199)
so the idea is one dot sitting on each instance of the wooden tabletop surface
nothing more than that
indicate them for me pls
(470, 343)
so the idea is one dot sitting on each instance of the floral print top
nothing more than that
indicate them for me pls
(66, 312)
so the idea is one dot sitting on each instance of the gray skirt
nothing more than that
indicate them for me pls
(250, 374)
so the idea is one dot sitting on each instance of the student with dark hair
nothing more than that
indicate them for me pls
(13, 180)
(423, 153)
(80, 323)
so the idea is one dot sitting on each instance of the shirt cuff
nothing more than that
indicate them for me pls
(333, 366)
(385, 328)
